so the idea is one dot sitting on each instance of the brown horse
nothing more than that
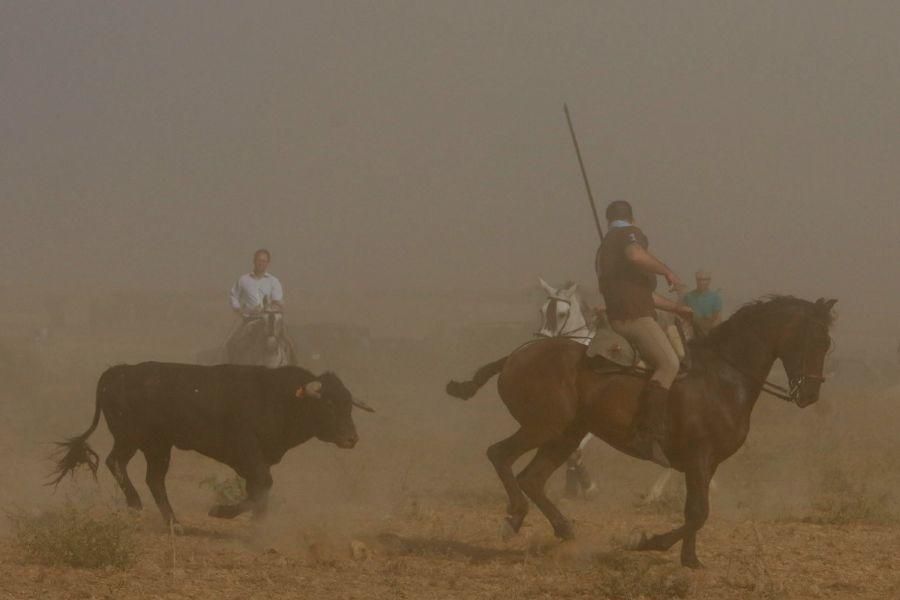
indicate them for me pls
(552, 392)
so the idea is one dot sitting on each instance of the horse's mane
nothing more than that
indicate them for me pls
(751, 311)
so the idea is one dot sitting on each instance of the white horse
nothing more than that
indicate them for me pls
(562, 316)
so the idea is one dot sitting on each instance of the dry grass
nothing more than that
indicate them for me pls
(75, 537)
(844, 499)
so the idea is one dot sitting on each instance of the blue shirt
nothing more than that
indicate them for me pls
(704, 304)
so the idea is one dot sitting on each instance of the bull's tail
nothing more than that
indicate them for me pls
(466, 389)
(75, 451)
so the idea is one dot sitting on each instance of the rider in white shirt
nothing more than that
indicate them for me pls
(253, 295)
(257, 290)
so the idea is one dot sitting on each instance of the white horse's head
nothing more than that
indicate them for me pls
(561, 313)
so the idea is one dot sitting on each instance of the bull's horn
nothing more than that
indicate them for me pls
(360, 404)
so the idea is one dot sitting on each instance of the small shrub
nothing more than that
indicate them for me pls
(842, 500)
(841, 509)
(227, 491)
(74, 537)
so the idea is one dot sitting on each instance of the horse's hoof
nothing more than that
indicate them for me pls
(591, 492)
(636, 541)
(507, 531)
(564, 531)
(691, 562)
(177, 528)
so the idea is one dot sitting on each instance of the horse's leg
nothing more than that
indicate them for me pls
(656, 490)
(502, 455)
(577, 475)
(534, 477)
(696, 507)
(117, 462)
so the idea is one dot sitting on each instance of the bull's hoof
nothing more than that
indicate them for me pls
(637, 541)
(591, 492)
(224, 511)
(691, 562)
(178, 529)
(564, 531)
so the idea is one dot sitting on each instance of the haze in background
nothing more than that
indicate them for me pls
(422, 146)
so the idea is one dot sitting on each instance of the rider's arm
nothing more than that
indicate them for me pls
(663, 303)
(234, 297)
(716, 316)
(642, 259)
(277, 294)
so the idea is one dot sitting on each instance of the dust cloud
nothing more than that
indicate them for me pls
(409, 167)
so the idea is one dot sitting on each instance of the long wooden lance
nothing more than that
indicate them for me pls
(584, 176)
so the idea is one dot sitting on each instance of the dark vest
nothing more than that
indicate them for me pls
(627, 290)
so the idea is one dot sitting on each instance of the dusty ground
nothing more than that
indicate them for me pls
(807, 510)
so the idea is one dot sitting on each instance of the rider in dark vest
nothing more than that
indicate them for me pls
(627, 272)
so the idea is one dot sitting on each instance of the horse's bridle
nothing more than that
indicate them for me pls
(562, 331)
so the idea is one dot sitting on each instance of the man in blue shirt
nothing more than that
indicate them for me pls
(706, 304)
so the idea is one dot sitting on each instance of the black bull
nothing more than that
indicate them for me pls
(244, 416)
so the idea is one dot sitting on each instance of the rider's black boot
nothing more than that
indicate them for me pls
(650, 424)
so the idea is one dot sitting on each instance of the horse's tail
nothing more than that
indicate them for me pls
(466, 389)
(76, 451)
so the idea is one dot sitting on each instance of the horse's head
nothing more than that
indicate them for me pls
(561, 312)
(802, 347)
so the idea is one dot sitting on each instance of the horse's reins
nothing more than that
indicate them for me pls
(788, 394)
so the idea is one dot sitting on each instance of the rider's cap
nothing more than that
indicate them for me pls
(703, 274)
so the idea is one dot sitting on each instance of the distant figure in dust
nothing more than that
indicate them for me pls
(706, 303)
(258, 298)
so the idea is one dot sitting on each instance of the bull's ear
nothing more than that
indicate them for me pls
(313, 389)
(829, 304)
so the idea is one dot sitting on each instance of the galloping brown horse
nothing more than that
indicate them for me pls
(551, 391)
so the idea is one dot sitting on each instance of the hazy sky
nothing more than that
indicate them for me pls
(376, 145)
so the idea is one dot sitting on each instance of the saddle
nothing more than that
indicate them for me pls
(610, 352)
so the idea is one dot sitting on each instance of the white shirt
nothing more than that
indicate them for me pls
(249, 291)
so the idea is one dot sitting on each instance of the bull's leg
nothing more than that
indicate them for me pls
(533, 479)
(117, 462)
(258, 488)
(259, 482)
(157, 466)
(502, 455)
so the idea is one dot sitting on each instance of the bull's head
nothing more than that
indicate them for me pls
(334, 403)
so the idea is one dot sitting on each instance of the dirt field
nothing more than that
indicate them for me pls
(806, 510)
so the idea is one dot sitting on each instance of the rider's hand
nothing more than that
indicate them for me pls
(673, 280)
(685, 312)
